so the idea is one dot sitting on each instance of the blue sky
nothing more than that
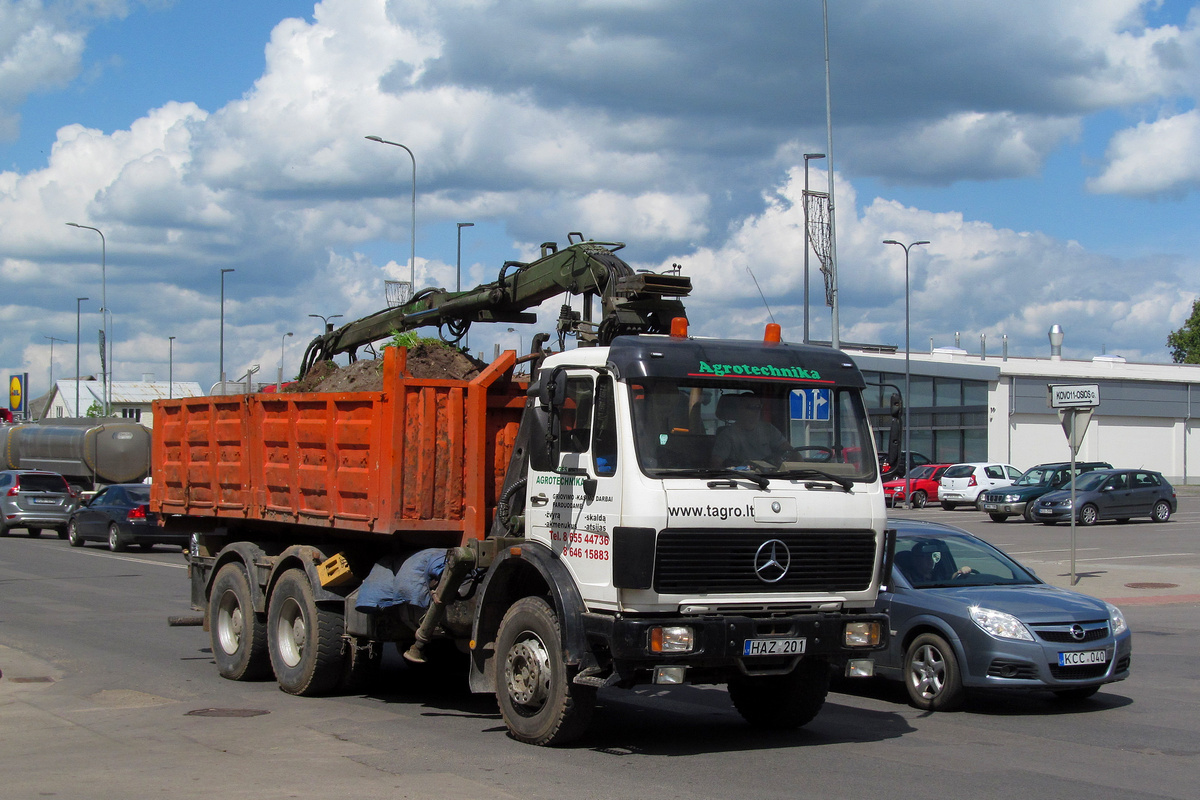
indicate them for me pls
(1049, 151)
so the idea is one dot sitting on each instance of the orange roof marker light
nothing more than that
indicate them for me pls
(679, 328)
(774, 333)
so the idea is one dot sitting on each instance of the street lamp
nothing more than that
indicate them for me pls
(518, 333)
(907, 376)
(78, 300)
(52, 341)
(807, 157)
(104, 304)
(282, 342)
(325, 326)
(458, 260)
(221, 366)
(412, 258)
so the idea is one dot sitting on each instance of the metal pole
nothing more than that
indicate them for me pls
(170, 367)
(833, 279)
(105, 376)
(52, 341)
(458, 271)
(325, 326)
(78, 300)
(412, 260)
(1074, 511)
(907, 378)
(279, 383)
(807, 157)
(221, 365)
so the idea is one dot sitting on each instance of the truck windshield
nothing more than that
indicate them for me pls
(682, 428)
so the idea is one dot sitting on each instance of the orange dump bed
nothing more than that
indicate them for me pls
(422, 456)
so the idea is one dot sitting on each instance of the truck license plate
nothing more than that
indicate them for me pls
(1082, 658)
(773, 647)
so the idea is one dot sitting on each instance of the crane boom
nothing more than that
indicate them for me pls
(631, 301)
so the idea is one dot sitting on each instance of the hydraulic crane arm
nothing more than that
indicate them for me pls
(631, 302)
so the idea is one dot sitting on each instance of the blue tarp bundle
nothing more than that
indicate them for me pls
(397, 580)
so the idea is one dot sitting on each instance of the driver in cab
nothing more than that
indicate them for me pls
(748, 438)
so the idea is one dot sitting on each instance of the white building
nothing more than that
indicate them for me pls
(971, 407)
(130, 399)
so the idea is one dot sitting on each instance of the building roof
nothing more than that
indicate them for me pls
(123, 393)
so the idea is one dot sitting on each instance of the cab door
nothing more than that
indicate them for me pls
(573, 504)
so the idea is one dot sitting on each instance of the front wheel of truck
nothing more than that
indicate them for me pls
(304, 639)
(782, 702)
(538, 700)
(239, 637)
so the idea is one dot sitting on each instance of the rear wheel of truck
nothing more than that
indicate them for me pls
(538, 700)
(305, 641)
(782, 702)
(239, 637)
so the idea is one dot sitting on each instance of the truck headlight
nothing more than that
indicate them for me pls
(1000, 624)
(862, 634)
(673, 639)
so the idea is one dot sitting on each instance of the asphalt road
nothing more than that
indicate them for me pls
(100, 698)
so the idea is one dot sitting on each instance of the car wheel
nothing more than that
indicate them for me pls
(1088, 515)
(1162, 511)
(947, 506)
(919, 499)
(931, 674)
(74, 537)
(538, 698)
(3, 529)
(33, 532)
(1028, 513)
(115, 542)
(998, 517)
(239, 635)
(1076, 695)
(1049, 522)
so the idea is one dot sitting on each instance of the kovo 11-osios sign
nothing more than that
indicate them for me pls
(1074, 395)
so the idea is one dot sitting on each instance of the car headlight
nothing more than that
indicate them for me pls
(1119, 625)
(999, 624)
(1011, 498)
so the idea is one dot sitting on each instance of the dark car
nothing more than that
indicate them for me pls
(120, 516)
(1017, 499)
(965, 616)
(35, 500)
(1110, 494)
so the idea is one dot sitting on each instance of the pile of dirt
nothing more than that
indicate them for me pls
(425, 360)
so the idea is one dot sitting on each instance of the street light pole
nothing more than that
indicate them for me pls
(807, 157)
(834, 342)
(907, 377)
(279, 383)
(104, 304)
(170, 367)
(458, 259)
(221, 366)
(52, 341)
(325, 326)
(412, 258)
(78, 300)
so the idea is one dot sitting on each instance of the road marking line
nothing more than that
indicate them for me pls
(83, 552)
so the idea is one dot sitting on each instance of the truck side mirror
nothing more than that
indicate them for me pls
(551, 391)
(896, 468)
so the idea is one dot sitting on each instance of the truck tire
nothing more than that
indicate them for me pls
(305, 641)
(782, 702)
(239, 637)
(538, 700)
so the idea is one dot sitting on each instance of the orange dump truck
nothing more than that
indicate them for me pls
(554, 531)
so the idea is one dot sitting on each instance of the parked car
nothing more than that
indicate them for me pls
(962, 484)
(923, 483)
(966, 616)
(1018, 499)
(120, 516)
(1110, 494)
(35, 500)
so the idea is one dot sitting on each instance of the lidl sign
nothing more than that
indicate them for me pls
(16, 393)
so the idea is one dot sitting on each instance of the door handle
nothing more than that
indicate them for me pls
(539, 499)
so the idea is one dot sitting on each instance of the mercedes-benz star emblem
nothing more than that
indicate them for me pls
(772, 560)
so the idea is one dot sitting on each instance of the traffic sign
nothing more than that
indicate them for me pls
(1074, 396)
(811, 404)
(1075, 423)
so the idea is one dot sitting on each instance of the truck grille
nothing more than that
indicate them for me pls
(723, 562)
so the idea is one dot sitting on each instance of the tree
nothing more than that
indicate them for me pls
(1185, 342)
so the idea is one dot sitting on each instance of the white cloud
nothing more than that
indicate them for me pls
(1160, 157)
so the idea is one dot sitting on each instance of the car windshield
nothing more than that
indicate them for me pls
(687, 430)
(1038, 476)
(1087, 482)
(920, 472)
(936, 561)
